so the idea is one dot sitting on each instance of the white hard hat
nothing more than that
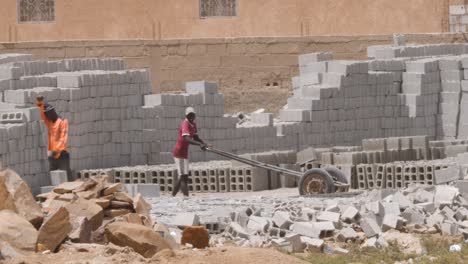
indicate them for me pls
(189, 110)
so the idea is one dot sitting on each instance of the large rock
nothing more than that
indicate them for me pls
(123, 197)
(131, 218)
(81, 230)
(142, 207)
(87, 185)
(142, 239)
(197, 236)
(101, 184)
(55, 229)
(88, 209)
(166, 234)
(23, 199)
(7, 251)
(6, 201)
(68, 187)
(17, 231)
(112, 188)
(116, 212)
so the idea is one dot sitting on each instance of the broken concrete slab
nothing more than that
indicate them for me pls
(351, 214)
(445, 195)
(391, 221)
(281, 219)
(257, 223)
(370, 227)
(236, 230)
(186, 219)
(313, 244)
(347, 234)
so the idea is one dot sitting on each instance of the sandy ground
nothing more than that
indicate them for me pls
(112, 254)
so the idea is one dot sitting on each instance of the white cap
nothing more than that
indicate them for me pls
(189, 110)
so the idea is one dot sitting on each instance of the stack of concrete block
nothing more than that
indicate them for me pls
(387, 52)
(204, 177)
(402, 174)
(23, 146)
(421, 86)
(458, 19)
(441, 149)
(451, 75)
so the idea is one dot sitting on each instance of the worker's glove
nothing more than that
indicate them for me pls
(40, 101)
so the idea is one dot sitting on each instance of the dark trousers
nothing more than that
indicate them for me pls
(62, 163)
(181, 184)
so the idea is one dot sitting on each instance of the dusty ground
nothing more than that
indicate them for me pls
(242, 100)
(112, 254)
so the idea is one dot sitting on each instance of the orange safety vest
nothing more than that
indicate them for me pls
(58, 134)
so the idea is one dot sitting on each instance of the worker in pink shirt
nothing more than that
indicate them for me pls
(187, 136)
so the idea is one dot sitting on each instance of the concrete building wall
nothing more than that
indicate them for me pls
(178, 19)
(251, 72)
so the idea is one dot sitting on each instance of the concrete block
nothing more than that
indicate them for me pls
(11, 117)
(351, 214)
(282, 220)
(329, 216)
(445, 194)
(313, 244)
(236, 231)
(306, 229)
(401, 200)
(413, 216)
(147, 190)
(295, 242)
(295, 115)
(201, 87)
(347, 234)
(58, 177)
(377, 144)
(370, 227)
(449, 229)
(391, 221)
(186, 219)
(258, 224)
(265, 119)
(447, 175)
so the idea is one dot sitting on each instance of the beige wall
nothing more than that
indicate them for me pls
(242, 66)
(177, 19)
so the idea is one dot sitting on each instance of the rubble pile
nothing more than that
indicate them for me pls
(90, 211)
(312, 224)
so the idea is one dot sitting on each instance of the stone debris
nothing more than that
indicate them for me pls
(67, 215)
(142, 239)
(54, 230)
(17, 231)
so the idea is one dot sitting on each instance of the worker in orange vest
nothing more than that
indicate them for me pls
(58, 154)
